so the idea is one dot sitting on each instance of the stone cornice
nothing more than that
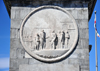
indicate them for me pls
(64, 3)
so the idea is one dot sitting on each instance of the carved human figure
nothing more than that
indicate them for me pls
(59, 39)
(67, 36)
(37, 42)
(62, 39)
(42, 39)
(53, 39)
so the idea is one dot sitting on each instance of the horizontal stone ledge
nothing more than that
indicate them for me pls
(49, 67)
(78, 61)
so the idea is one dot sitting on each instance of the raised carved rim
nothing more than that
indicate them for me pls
(53, 59)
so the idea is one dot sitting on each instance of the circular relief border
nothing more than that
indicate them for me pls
(51, 59)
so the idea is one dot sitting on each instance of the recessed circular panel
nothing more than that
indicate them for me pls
(49, 33)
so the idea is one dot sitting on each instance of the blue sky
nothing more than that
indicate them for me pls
(92, 37)
(5, 38)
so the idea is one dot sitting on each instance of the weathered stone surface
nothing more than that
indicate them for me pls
(27, 55)
(78, 61)
(13, 53)
(16, 23)
(14, 63)
(84, 67)
(15, 43)
(79, 13)
(82, 23)
(49, 67)
(80, 53)
(17, 51)
(20, 53)
(11, 69)
(14, 33)
(19, 13)
(73, 12)
(24, 13)
(82, 14)
(13, 14)
(83, 33)
(42, 19)
(34, 61)
(83, 44)
(79, 57)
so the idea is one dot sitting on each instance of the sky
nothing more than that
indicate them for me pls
(5, 38)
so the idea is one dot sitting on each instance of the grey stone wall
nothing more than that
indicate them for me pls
(79, 57)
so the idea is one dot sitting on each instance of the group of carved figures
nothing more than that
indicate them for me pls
(61, 38)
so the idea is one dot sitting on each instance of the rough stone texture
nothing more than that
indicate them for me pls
(49, 67)
(14, 33)
(80, 56)
(49, 18)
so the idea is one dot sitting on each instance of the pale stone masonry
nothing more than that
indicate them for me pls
(78, 60)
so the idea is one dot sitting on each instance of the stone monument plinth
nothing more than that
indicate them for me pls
(49, 35)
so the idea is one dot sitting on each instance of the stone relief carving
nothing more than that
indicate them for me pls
(37, 42)
(61, 39)
(53, 40)
(42, 39)
(67, 37)
(49, 33)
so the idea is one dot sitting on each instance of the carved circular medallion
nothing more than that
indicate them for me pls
(49, 33)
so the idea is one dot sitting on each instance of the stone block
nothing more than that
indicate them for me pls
(78, 61)
(83, 44)
(84, 70)
(11, 69)
(27, 55)
(82, 13)
(74, 13)
(13, 53)
(17, 53)
(85, 13)
(74, 56)
(20, 53)
(85, 67)
(84, 33)
(82, 23)
(78, 13)
(80, 53)
(15, 43)
(64, 61)
(17, 14)
(24, 13)
(13, 13)
(14, 63)
(14, 33)
(79, 57)
(49, 67)
(73, 61)
(34, 61)
(16, 23)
